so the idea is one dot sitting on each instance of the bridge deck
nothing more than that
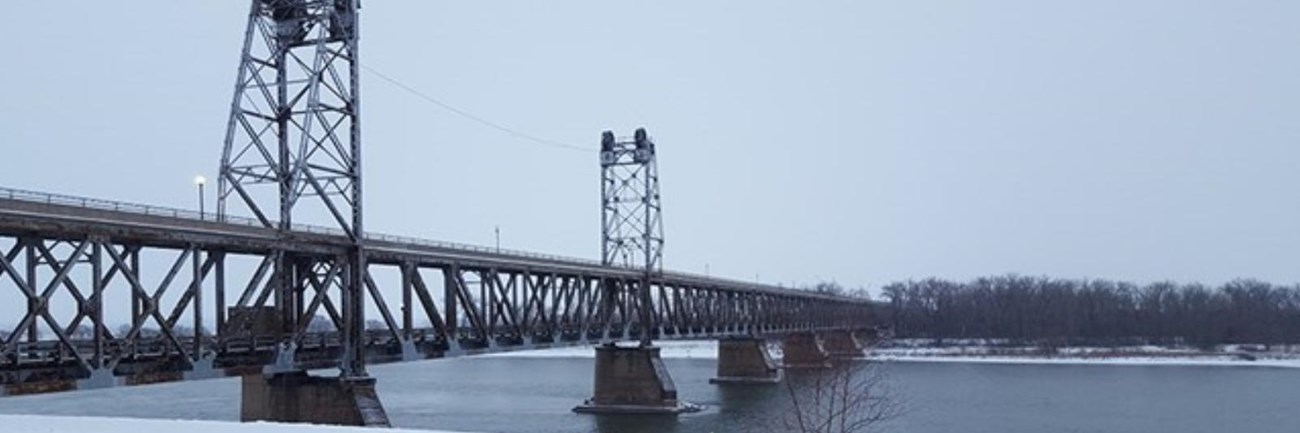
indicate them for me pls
(163, 227)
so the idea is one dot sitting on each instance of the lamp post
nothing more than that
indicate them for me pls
(497, 230)
(199, 181)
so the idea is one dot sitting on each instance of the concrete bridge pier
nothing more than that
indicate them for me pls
(633, 380)
(844, 344)
(745, 360)
(804, 350)
(297, 397)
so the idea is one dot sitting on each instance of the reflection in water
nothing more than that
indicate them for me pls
(751, 407)
(637, 423)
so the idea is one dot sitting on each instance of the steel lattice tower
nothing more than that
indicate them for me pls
(632, 229)
(293, 141)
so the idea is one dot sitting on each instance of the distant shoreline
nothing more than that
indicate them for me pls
(1132, 361)
(983, 354)
(1148, 355)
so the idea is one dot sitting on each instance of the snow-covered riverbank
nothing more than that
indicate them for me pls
(699, 349)
(1122, 360)
(980, 353)
(1002, 353)
(62, 424)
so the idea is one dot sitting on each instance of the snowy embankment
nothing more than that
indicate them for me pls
(1000, 353)
(699, 349)
(58, 424)
(976, 352)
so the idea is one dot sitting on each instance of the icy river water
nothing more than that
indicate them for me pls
(535, 395)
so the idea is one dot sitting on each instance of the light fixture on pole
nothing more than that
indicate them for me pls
(199, 181)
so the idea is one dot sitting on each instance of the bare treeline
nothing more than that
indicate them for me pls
(1049, 311)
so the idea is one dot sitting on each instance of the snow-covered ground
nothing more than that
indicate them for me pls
(59, 424)
(1119, 360)
(984, 351)
(701, 349)
(974, 352)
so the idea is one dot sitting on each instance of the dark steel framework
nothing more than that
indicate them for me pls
(83, 258)
(295, 126)
(631, 221)
(632, 230)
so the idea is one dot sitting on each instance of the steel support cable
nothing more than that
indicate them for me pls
(472, 117)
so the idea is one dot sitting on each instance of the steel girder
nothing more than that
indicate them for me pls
(104, 310)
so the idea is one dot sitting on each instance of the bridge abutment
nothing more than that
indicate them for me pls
(632, 380)
(297, 397)
(745, 360)
(843, 344)
(804, 350)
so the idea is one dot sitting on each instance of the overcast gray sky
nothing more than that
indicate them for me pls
(860, 141)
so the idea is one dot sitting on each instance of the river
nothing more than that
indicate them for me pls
(535, 395)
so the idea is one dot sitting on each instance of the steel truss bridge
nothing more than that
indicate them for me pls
(84, 267)
(123, 294)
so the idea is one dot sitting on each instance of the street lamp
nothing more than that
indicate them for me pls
(198, 182)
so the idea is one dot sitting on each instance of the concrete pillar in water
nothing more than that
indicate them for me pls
(745, 360)
(633, 380)
(843, 344)
(297, 397)
(804, 350)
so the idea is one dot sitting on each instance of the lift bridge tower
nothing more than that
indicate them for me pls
(632, 229)
(293, 148)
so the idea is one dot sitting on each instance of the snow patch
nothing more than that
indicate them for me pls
(914, 351)
(703, 349)
(61, 424)
(1181, 361)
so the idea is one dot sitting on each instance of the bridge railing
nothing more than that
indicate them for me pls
(117, 206)
(149, 210)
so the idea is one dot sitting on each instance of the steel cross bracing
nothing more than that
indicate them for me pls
(294, 123)
(293, 145)
(632, 227)
(119, 294)
(632, 230)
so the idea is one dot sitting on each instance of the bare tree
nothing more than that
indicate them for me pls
(320, 323)
(1054, 312)
(83, 332)
(829, 288)
(851, 397)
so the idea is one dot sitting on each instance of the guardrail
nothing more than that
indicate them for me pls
(149, 210)
(140, 209)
